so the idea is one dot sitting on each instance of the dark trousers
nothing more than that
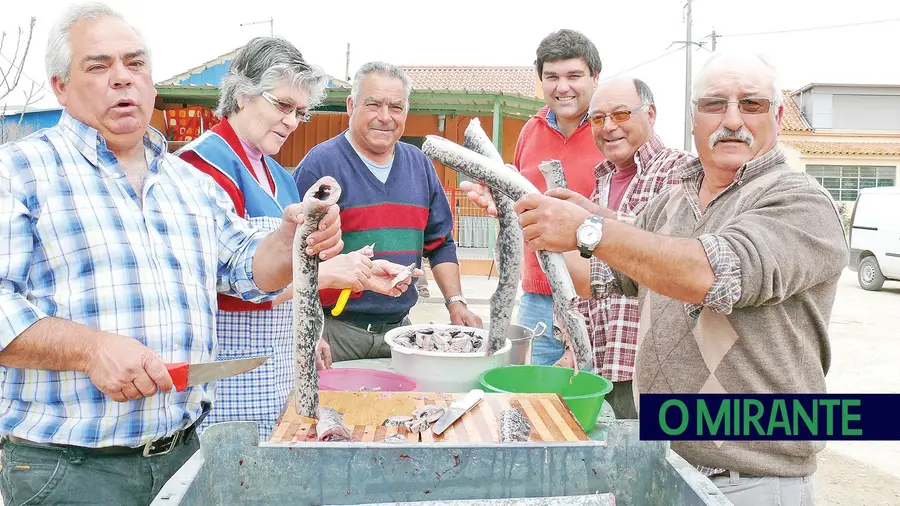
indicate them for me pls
(621, 399)
(34, 473)
(350, 342)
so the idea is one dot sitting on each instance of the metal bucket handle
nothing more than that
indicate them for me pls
(535, 333)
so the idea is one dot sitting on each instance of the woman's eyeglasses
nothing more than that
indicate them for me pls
(302, 115)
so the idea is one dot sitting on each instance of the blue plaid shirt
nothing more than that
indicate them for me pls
(78, 244)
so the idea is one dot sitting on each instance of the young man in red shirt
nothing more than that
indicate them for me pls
(568, 66)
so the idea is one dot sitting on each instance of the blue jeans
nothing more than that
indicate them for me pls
(534, 308)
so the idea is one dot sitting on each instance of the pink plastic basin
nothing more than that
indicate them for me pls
(369, 379)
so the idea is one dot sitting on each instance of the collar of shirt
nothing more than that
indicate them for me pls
(693, 170)
(551, 119)
(88, 141)
(691, 175)
(642, 157)
(253, 154)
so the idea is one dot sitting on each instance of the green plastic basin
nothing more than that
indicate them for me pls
(584, 396)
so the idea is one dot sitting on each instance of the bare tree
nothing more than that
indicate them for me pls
(11, 73)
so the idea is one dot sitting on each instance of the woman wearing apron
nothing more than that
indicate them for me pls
(267, 92)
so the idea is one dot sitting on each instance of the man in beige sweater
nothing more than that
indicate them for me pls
(735, 270)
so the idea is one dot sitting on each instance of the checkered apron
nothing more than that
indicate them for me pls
(261, 394)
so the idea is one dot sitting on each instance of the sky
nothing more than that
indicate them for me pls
(185, 34)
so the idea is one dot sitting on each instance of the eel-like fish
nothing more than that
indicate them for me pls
(330, 425)
(403, 275)
(571, 320)
(308, 318)
(509, 258)
(501, 179)
(514, 427)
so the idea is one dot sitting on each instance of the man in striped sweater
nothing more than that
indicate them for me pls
(391, 197)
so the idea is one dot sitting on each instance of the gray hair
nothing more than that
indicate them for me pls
(260, 65)
(58, 58)
(385, 69)
(776, 99)
(643, 92)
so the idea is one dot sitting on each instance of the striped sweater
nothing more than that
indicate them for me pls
(407, 217)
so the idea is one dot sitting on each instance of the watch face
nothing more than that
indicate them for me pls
(589, 235)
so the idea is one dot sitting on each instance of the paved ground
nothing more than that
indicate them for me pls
(865, 340)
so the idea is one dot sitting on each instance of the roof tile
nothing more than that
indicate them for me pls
(845, 148)
(792, 119)
(519, 80)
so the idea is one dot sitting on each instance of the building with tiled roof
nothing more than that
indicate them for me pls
(847, 136)
(512, 80)
(792, 119)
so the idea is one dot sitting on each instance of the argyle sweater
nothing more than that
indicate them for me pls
(407, 217)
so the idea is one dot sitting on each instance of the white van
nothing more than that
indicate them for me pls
(875, 236)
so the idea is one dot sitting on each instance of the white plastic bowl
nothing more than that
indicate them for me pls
(440, 371)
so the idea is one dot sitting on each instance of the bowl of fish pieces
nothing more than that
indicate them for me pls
(443, 358)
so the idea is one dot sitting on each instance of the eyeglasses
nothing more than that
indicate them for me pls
(618, 116)
(283, 107)
(711, 105)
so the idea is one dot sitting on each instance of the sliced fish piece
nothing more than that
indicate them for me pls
(417, 425)
(404, 274)
(397, 421)
(431, 413)
(514, 427)
(330, 425)
(509, 246)
(308, 318)
(396, 439)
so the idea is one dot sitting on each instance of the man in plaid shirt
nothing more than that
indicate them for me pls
(637, 168)
(111, 255)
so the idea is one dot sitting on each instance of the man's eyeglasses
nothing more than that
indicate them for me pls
(302, 115)
(712, 105)
(618, 116)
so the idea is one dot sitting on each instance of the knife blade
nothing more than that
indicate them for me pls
(457, 409)
(185, 374)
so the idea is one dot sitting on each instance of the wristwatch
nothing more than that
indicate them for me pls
(589, 234)
(455, 298)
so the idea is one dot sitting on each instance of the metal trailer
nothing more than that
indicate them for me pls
(614, 468)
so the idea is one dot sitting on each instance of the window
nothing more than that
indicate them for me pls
(845, 181)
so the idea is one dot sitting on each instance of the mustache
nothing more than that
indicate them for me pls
(727, 133)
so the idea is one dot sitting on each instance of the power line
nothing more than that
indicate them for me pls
(793, 30)
(667, 53)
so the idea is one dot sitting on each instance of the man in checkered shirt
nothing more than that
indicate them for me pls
(111, 255)
(637, 168)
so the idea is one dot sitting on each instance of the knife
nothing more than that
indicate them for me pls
(186, 375)
(345, 294)
(457, 409)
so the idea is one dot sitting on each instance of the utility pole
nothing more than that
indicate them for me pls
(347, 67)
(688, 51)
(270, 21)
(688, 71)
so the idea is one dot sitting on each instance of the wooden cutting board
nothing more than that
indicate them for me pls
(364, 413)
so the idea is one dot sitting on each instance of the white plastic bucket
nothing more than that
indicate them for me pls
(440, 371)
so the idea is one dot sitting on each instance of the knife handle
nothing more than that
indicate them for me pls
(341, 302)
(179, 374)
